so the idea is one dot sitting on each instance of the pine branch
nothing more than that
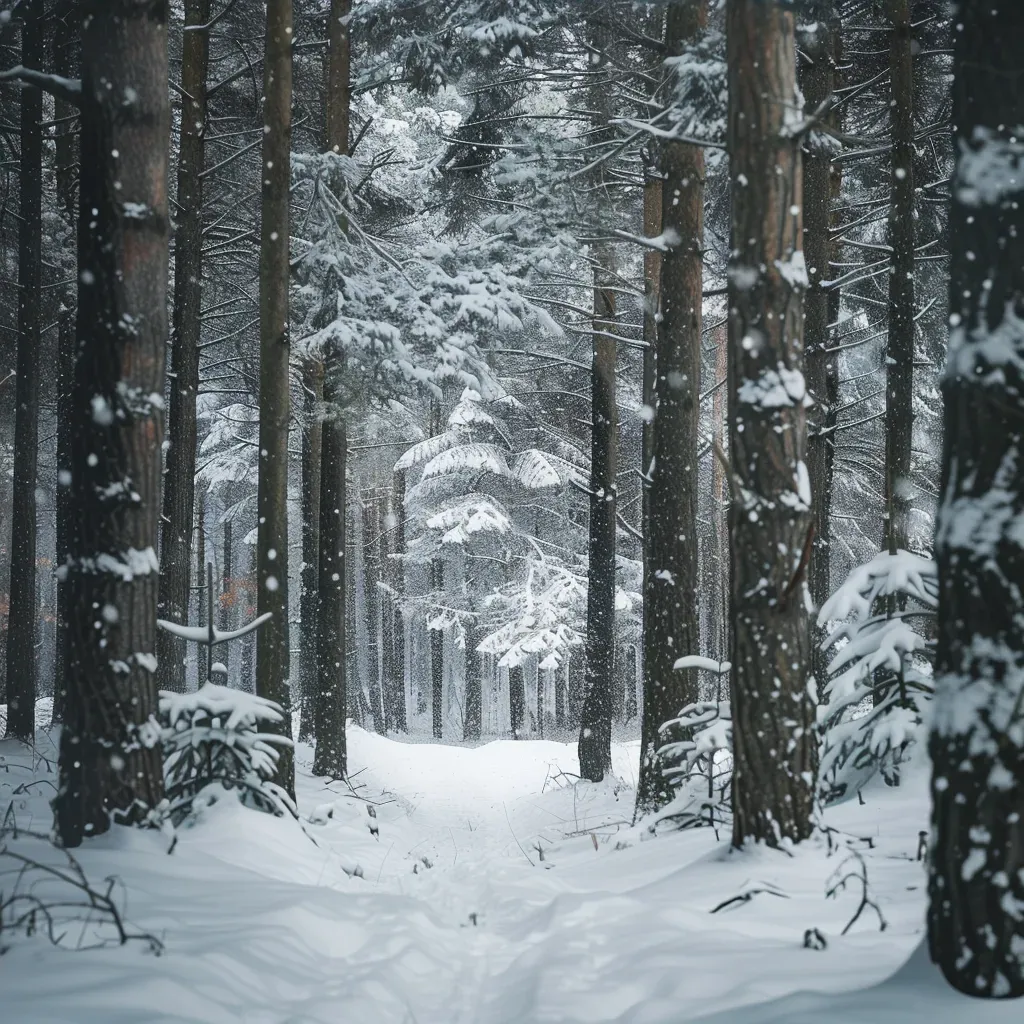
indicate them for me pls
(67, 89)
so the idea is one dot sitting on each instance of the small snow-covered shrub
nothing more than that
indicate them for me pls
(212, 741)
(880, 677)
(699, 759)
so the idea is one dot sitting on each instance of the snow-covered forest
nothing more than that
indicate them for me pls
(511, 511)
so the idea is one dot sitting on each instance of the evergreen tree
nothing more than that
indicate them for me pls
(976, 879)
(774, 748)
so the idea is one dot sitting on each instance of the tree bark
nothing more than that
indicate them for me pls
(108, 771)
(437, 658)
(272, 654)
(821, 304)
(671, 624)
(226, 604)
(333, 449)
(372, 545)
(397, 590)
(976, 869)
(595, 740)
(330, 700)
(339, 90)
(66, 160)
(770, 517)
(180, 475)
(517, 701)
(472, 722)
(899, 363)
(23, 614)
(312, 454)
(720, 500)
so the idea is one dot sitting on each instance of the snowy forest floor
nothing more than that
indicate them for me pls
(440, 908)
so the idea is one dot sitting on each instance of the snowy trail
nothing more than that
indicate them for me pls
(439, 909)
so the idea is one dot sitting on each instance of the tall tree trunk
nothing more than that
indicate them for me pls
(23, 615)
(437, 658)
(272, 654)
(517, 701)
(329, 700)
(652, 201)
(65, 63)
(339, 90)
(333, 448)
(398, 590)
(105, 772)
(226, 597)
(720, 500)
(671, 624)
(976, 870)
(821, 305)
(770, 516)
(899, 363)
(180, 475)
(372, 603)
(312, 454)
(595, 741)
(472, 719)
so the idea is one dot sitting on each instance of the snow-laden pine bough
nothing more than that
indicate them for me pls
(213, 743)
(881, 623)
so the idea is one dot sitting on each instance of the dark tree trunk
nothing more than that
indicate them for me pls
(202, 596)
(387, 620)
(652, 303)
(976, 880)
(330, 700)
(720, 500)
(770, 516)
(595, 740)
(540, 703)
(437, 658)
(517, 701)
(105, 772)
(472, 721)
(66, 154)
(272, 644)
(821, 304)
(339, 91)
(23, 615)
(180, 475)
(398, 623)
(671, 624)
(354, 680)
(226, 596)
(371, 597)
(312, 433)
(899, 390)
(560, 688)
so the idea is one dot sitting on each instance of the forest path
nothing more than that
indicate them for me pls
(554, 910)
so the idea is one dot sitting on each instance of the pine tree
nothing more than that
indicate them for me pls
(976, 873)
(272, 647)
(820, 44)
(595, 726)
(899, 362)
(179, 479)
(671, 625)
(21, 631)
(108, 767)
(770, 516)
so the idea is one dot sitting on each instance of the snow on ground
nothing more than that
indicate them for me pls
(485, 888)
